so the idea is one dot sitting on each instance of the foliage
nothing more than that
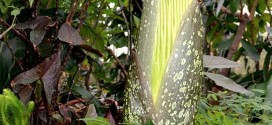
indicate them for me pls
(95, 121)
(56, 53)
(234, 109)
(13, 111)
(166, 68)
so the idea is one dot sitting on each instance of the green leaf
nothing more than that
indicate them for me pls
(120, 42)
(83, 92)
(210, 35)
(234, 5)
(95, 121)
(218, 62)
(224, 45)
(251, 51)
(31, 3)
(261, 6)
(227, 83)
(269, 91)
(6, 63)
(7, 2)
(136, 21)
(232, 27)
(15, 12)
(3, 8)
(266, 17)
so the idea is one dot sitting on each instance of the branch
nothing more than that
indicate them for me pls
(6, 31)
(122, 67)
(72, 11)
(83, 14)
(244, 20)
(16, 32)
(253, 9)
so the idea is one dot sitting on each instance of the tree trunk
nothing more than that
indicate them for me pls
(165, 78)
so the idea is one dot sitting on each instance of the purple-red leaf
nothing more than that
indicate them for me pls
(48, 71)
(42, 20)
(51, 77)
(35, 73)
(69, 35)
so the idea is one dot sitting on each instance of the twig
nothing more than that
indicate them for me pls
(244, 20)
(72, 84)
(83, 14)
(16, 32)
(138, 5)
(253, 9)
(87, 80)
(57, 15)
(75, 101)
(128, 28)
(72, 11)
(122, 67)
(6, 31)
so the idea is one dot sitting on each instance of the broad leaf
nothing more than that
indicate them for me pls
(33, 74)
(234, 5)
(227, 83)
(69, 35)
(17, 47)
(36, 36)
(42, 21)
(251, 51)
(218, 62)
(269, 91)
(261, 6)
(24, 92)
(48, 71)
(51, 77)
(95, 121)
(83, 92)
(6, 63)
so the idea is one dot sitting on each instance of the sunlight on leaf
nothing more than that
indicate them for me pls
(30, 3)
(95, 121)
(218, 62)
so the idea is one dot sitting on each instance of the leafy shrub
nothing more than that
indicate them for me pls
(233, 109)
(13, 111)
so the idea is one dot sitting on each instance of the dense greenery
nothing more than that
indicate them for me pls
(13, 111)
(58, 54)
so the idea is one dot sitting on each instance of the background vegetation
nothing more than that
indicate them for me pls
(58, 54)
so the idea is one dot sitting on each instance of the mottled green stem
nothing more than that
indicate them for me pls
(165, 78)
